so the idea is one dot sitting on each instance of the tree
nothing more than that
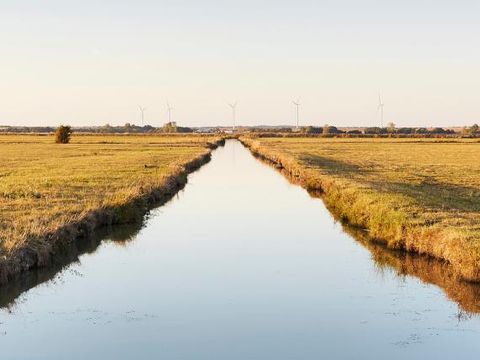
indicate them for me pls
(63, 134)
(372, 130)
(312, 130)
(438, 130)
(474, 129)
(169, 127)
(391, 127)
(405, 130)
(107, 128)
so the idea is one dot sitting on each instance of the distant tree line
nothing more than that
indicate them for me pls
(389, 130)
(128, 128)
(260, 129)
(105, 129)
(326, 130)
(26, 129)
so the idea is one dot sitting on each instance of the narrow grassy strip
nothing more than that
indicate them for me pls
(418, 196)
(52, 194)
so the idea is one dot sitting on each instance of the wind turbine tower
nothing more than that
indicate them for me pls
(380, 108)
(142, 112)
(234, 114)
(297, 111)
(169, 109)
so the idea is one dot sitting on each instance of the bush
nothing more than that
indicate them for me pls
(63, 134)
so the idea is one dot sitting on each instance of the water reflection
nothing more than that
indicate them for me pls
(67, 255)
(428, 269)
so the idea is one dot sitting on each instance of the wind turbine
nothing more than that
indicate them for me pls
(142, 111)
(297, 110)
(169, 109)
(234, 113)
(380, 108)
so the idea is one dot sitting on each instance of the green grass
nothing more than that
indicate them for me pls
(46, 186)
(421, 195)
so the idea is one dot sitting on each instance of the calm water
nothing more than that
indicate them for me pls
(240, 265)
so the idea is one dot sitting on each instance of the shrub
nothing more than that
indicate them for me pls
(63, 134)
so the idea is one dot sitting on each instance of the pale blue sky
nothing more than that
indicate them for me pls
(92, 62)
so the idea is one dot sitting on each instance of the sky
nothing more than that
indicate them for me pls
(94, 62)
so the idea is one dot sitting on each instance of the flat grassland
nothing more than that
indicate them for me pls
(45, 187)
(421, 195)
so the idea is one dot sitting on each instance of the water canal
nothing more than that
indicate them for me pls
(241, 264)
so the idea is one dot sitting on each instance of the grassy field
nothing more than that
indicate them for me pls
(414, 194)
(50, 190)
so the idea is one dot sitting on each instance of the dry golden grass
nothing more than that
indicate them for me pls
(419, 195)
(45, 186)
